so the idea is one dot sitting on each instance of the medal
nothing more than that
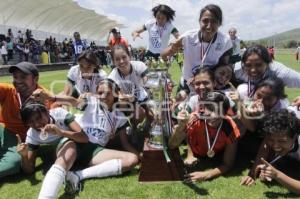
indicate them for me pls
(210, 152)
(43, 135)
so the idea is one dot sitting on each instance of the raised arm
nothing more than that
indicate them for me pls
(137, 33)
(172, 49)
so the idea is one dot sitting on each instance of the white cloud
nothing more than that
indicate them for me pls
(254, 19)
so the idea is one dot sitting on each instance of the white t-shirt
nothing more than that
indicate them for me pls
(194, 103)
(242, 90)
(236, 46)
(3, 50)
(60, 117)
(290, 78)
(85, 85)
(158, 36)
(192, 50)
(132, 83)
(98, 123)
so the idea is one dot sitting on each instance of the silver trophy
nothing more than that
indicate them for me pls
(158, 103)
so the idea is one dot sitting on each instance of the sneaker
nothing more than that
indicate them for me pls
(73, 184)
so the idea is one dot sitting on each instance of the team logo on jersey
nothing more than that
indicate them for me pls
(86, 88)
(218, 46)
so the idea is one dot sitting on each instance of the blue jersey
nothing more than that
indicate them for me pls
(78, 47)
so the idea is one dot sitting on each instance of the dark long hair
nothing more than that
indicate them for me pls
(165, 10)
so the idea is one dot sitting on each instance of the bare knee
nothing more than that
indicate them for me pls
(66, 155)
(129, 161)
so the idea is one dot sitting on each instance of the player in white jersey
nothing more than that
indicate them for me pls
(85, 76)
(49, 127)
(256, 65)
(204, 47)
(130, 76)
(101, 121)
(159, 30)
(279, 152)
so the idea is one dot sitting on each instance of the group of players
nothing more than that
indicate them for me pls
(226, 104)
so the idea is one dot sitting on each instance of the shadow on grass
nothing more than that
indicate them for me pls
(270, 194)
(15, 179)
(242, 162)
(196, 188)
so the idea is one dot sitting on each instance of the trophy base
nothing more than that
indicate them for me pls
(155, 169)
(155, 145)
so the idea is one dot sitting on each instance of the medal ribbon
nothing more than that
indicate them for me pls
(205, 52)
(207, 136)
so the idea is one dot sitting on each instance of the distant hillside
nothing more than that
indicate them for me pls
(281, 39)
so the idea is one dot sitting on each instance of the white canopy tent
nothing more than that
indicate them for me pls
(59, 17)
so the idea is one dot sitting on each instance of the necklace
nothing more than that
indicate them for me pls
(203, 53)
(210, 152)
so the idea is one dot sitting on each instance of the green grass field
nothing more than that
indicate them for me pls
(127, 186)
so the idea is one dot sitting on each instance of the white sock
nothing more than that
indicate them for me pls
(52, 182)
(107, 168)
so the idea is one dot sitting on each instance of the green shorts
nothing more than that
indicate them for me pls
(85, 151)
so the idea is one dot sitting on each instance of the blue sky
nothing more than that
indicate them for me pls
(253, 19)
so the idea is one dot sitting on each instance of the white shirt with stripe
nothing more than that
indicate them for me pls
(132, 83)
(83, 85)
(158, 36)
(98, 123)
(192, 50)
(60, 116)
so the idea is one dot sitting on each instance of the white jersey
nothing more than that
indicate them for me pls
(61, 118)
(192, 51)
(242, 90)
(158, 36)
(99, 124)
(194, 103)
(85, 85)
(236, 46)
(132, 83)
(290, 77)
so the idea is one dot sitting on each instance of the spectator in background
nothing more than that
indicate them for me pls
(26, 51)
(45, 56)
(236, 45)
(20, 37)
(10, 34)
(116, 39)
(271, 52)
(3, 52)
(10, 48)
(36, 51)
(297, 52)
(78, 46)
(28, 34)
(20, 50)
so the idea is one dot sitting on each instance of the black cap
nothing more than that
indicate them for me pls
(115, 30)
(25, 67)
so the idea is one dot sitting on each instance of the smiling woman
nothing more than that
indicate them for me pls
(256, 65)
(213, 46)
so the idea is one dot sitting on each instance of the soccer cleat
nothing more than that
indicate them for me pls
(73, 184)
